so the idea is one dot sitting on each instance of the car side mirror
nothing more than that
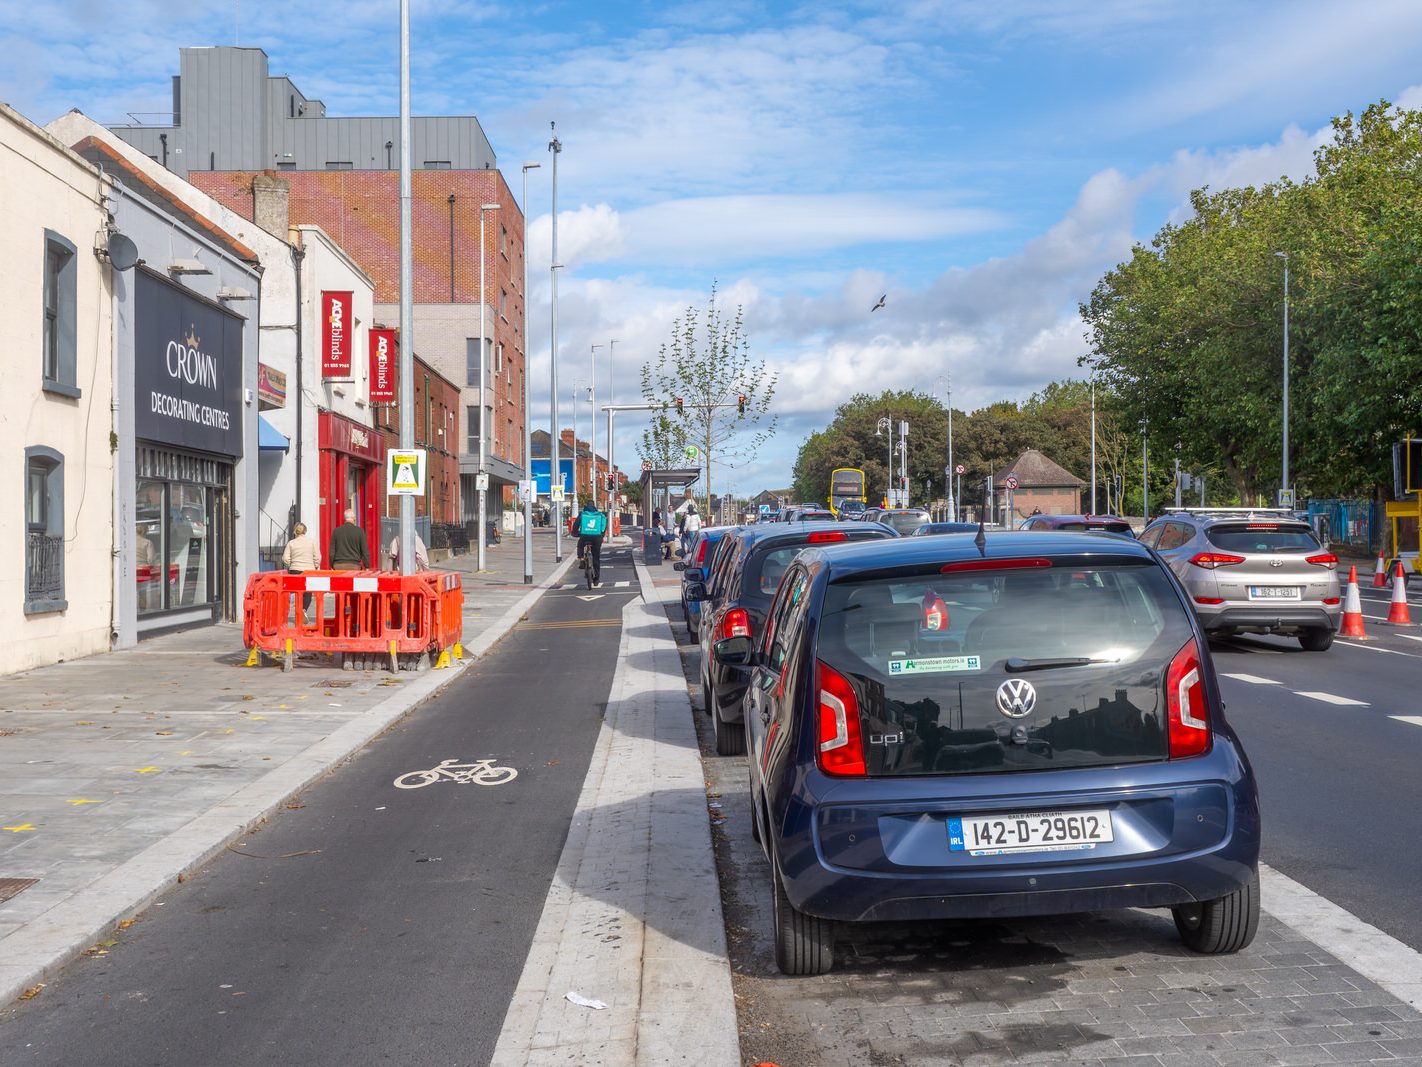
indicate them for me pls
(695, 574)
(678, 566)
(696, 591)
(733, 651)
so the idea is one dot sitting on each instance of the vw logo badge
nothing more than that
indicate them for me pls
(1016, 698)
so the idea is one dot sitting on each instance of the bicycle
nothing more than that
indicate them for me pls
(480, 772)
(586, 564)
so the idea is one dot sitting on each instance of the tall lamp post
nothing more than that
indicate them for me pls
(482, 477)
(527, 426)
(555, 469)
(1285, 486)
(885, 426)
(592, 424)
(612, 402)
(1093, 441)
(407, 285)
(948, 470)
(903, 464)
(1145, 472)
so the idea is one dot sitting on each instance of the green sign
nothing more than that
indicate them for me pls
(692, 452)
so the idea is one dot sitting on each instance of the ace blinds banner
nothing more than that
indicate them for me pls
(382, 366)
(187, 369)
(337, 325)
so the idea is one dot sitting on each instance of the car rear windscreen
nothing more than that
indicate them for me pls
(1020, 669)
(1261, 537)
(905, 522)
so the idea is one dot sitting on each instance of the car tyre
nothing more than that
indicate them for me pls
(1316, 638)
(804, 944)
(730, 736)
(1219, 927)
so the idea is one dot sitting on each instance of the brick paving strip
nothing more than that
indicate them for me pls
(124, 772)
(1318, 986)
(633, 917)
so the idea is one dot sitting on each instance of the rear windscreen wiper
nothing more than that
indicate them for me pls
(1016, 664)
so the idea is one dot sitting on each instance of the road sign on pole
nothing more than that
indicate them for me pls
(960, 469)
(1010, 482)
(405, 472)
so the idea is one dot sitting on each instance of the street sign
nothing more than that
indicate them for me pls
(960, 469)
(692, 452)
(556, 493)
(405, 472)
(646, 464)
(1286, 498)
(1010, 482)
(481, 482)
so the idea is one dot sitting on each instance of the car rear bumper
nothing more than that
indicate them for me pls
(1174, 843)
(1272, 617)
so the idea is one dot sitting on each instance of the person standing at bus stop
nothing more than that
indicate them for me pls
(350, 550)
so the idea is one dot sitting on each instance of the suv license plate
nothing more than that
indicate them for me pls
(1274, 592)
(1036, 831)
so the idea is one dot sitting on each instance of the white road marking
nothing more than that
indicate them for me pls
(1331, 698)
(593, 596)
(1375, 648)
(624, 585)
(480, 772)
(1415, 720)
(1253, 679)
(1408, 637)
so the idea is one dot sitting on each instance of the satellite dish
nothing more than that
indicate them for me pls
(123, 253)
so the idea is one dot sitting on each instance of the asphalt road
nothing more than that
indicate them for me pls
(366, 923)
(1338, 782)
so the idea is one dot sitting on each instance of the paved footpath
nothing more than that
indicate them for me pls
(121, 773)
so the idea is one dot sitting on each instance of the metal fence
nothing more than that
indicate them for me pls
(1355, 523)
(44, 567)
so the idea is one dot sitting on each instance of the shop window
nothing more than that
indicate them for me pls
(60, 296)
(44, 530)
(174, 539)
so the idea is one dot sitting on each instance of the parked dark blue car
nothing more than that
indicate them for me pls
(1031, 727)
(694, 569)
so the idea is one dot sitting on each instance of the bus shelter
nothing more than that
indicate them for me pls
(661, 490)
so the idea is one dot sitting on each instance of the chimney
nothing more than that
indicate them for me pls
(269, 204)
(566, 436)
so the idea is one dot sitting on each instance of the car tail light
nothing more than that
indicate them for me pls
(735, 623)
(701, 552)
(823, 536)
(1209, 600)
(1211, 560)
(1185, 701)
(1262, 526)
(1331, 600)
(994, 565)
(935, 612)
(841, 747)
(1326, 560)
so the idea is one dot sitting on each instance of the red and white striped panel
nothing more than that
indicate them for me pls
(352, 582)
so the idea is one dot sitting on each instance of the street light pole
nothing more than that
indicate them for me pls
(1145, 472)
(527, 425)
(592, 423)
(555, 469)
(407, 306)
(885, 427)
(482, 478)
(903, 463)
(1093, 442)
(1285, 486)
(948, 470)
(612, 401)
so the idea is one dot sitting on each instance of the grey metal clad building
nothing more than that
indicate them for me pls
(229, 113)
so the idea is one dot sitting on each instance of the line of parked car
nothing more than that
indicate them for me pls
(947, 726)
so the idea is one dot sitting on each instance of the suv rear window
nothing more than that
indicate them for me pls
(926, 657)
(1261, 537)
(905, 522)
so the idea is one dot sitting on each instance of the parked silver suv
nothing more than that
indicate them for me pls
(1251, 571)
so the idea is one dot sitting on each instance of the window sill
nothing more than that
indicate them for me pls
(73, 392)
(45, 607)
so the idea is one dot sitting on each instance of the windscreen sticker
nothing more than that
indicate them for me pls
(935, 665)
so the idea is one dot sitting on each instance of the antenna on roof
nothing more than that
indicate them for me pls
(981, 539)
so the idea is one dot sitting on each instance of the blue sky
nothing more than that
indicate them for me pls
(982, 163)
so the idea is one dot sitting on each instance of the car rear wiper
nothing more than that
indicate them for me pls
(1016, 664)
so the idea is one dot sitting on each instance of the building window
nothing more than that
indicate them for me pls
(429, 408)
(498, 359)
(44, 530)
(60, 296)
(471, 442)
(338, 164)
(504, 303)
(286, 164)
(437, 164)
(504, 240)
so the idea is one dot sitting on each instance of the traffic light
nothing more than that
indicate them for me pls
(679, 411)
(741, 403)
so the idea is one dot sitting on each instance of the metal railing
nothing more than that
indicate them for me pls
(1346, 522)
(44, 567)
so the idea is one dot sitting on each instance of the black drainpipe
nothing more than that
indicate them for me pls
(451, 249)
(297, 255)
(163, 137)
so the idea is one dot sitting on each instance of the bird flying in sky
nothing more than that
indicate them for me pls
(880, 304)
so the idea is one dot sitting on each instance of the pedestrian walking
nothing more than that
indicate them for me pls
(350, 550)
(690, 524)
(300, 555)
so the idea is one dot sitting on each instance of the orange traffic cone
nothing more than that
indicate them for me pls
(1379, 571)
(1353, 609)
(1397, 614)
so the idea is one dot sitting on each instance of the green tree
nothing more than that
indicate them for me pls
(725, 395)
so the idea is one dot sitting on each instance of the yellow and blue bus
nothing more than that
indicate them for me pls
(846, 490)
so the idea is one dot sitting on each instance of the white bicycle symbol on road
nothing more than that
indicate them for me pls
(480, 772)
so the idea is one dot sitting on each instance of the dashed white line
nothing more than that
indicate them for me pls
(1253, 679)
(1375, 648)
(1333, 698)
(1415, 720)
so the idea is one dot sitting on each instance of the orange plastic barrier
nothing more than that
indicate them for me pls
(365, 614)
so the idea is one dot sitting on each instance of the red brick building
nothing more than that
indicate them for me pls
(360, 210)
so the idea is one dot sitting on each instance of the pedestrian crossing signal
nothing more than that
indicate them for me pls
(679, 410)
(741, 404)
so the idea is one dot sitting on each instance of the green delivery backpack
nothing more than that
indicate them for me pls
(592, 524)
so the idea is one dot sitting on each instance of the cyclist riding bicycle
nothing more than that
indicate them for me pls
(592, 527)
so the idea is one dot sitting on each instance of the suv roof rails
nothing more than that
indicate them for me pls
(1221, 513)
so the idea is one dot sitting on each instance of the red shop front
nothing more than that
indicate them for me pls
(352, 468)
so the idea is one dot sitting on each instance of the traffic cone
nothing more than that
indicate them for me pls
(1352, 609)
(1397, 614)
(1379, 571)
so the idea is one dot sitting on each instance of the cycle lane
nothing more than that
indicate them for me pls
(364, 921)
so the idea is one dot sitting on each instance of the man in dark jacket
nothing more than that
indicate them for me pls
(350, 549)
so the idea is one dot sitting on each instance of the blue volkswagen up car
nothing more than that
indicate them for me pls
(939, 728)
